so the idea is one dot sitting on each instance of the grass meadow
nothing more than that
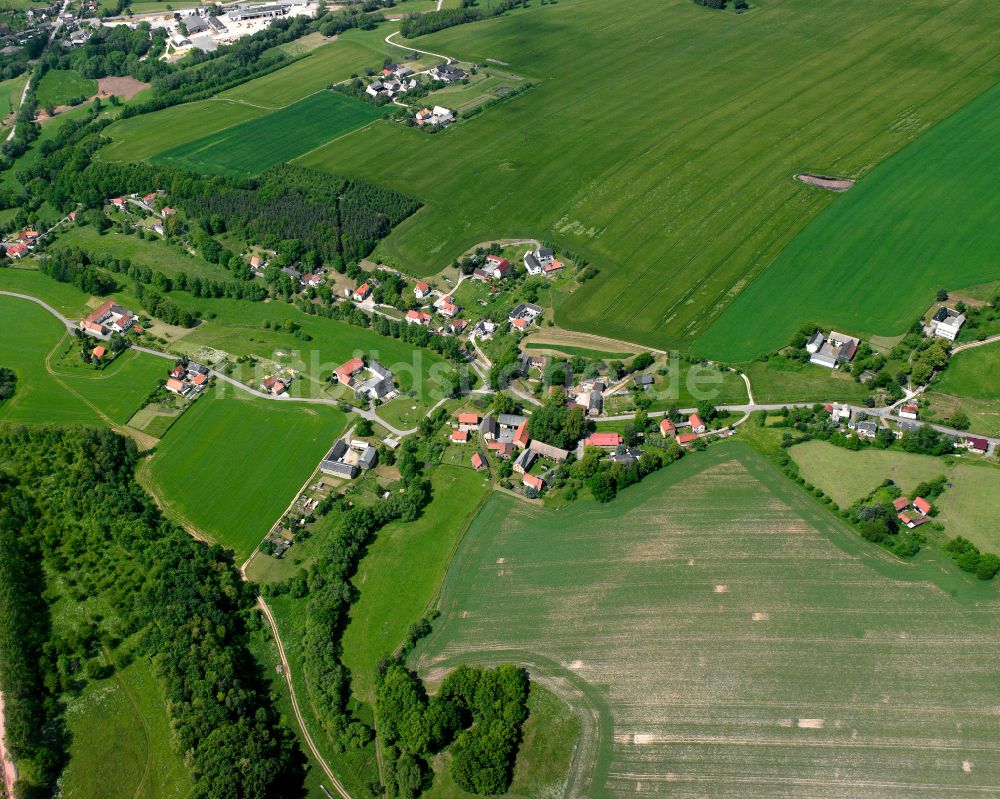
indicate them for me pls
(59, 86)
(971, 382)
(50, 393)
(723, 635)
(571, 351)
(968, 507)
(122, 746)
(399, 577)
(10, 94)
(230, 465)
(782, 380)
(288, 133)
(685, 192)
(924, 220)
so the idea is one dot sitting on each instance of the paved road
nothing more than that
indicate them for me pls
(24, 93)
(972, 344)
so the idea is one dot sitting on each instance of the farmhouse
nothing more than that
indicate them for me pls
(946, 323)
(379, 384)
(418, 318)
(835, 349)
(333, 462)
(16, 249)
(548, 451)
(976, 444)
(643, 382)
(458, 326)
(460, 436)
(605, 440)
(346, 371)
(867, 428)
(510, 421)
(484, 329)
(521, 437)
(273, 385)
(697, 425)
(98, 352)
(421, 290)
(627, 457)
(468, 421)
(361, 293)
(448, 73)
(908, 411)
(523, 315)
(108, 318)
(525, 461)
(479, 462)
(667, 428)
(686, 438)
(495, 267)
(178, 387)
(447, 308)
(531, 481)
(503, 449)
(438, 117)
(489, 428)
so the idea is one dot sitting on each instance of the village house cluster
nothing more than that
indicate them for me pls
(831, 350)
(346, 458)
(145, 204)
(371, 380)
(109, 317)
(20, 245)
(188, 379)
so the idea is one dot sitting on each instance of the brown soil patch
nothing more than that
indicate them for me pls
(125, 87)
(823, 182)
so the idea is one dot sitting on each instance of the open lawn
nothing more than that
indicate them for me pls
(10, 94)
(686, 191)
(782, 380)
(59, 86)
(399, 577)
(122, 746)
(968, 507)
(67, 299)
(48, 394)
(289, 133)
(230, 465)
(847, 476)
(726, 636)
(925, 219)
(971, 382)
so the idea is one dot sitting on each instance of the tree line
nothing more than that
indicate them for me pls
(422, 24)
(75, 524)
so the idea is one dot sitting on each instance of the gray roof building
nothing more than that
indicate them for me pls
(510, 420)
(368, 459)
(525, 461)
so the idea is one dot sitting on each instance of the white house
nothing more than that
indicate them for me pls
(946, 323)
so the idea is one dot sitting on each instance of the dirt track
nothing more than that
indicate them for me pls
(821, 182)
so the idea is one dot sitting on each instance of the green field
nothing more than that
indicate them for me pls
(782, 380)
(10, 94)
(324, 65)
(677, 222)
(55, 395)
(401, 573)
(967, 508)
(288, 133)
(971, 382)
(922, 221)
(585, 352)
(140, 137)
(726, 636)
(230, 465)
(848, 476)
(122, 745)
(59, 86)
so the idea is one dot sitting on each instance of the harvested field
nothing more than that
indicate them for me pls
(833, 184)
(825, 667)
(124, 87)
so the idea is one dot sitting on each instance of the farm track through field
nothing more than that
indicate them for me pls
(142, 721)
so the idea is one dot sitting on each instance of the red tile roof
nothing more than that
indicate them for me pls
(468, 418)
(199, 379)
(98, 352)
(901, 503)
(460, 436)
(422, 287)
(978, 443)
(687, 438)
(696, 421)
(603, 440)
(922, 505)
(478, 462)
(667, 427)
(344, 371)
(535, 482)
(521, 437)
(175, 385)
